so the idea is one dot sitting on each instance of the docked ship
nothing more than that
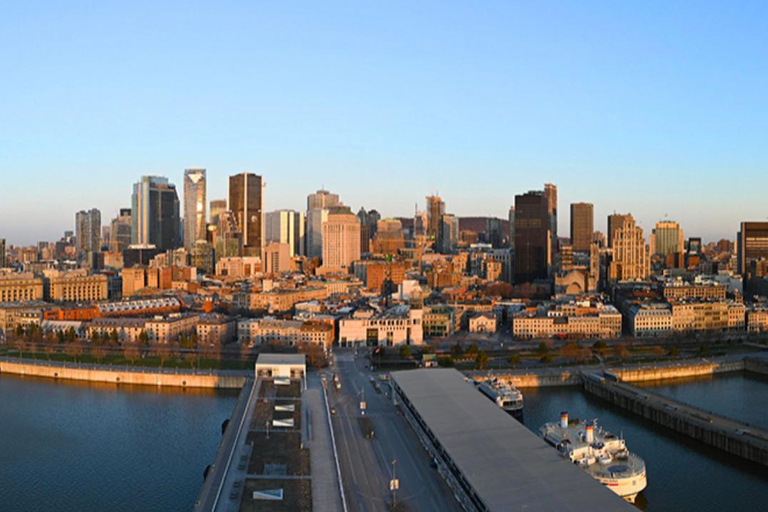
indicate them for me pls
(601, 454)
(505, 395)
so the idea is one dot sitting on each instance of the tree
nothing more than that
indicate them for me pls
(456, 350)
(71, 335)
(98, 350)
(160, 351)
(514, 359)
(673, 351)
(543, 348)
(74, 349)
(113, 338)
(546, 358)
(131, 351)
(473, 350)
(445, 361)
(621, 350)
(571, 350)
(405, 351)
(481, 360)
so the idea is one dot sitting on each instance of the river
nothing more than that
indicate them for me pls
(96, 447)
(682, 474)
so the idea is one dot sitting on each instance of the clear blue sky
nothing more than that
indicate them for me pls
(651, 108)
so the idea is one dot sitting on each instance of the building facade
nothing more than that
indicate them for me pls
(246, 202)
(582, 225)
(195, 219)
(155, 215)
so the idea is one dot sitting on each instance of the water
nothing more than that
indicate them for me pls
(682, 473)
(94, 447)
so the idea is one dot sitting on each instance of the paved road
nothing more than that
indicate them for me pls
(366, 465)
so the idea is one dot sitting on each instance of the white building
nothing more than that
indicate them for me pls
(392, 327)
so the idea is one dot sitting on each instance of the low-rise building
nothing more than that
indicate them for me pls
(20, 287)
(483, 323)
(289, 332)
(395, 326)
(126, 329)
(438, 321)
(650, 320)
(78, 287)
(167, 329)
(279, 299)
(585, 319)
(216, 329)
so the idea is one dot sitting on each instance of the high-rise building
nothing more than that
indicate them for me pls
(615, 221)
(218, 206)
(2, 253)
(582, 226)
(630, 258)
(512, 227)
(752, 244)
(533, 237)
(155, 213)
(550, 193)
(120, 231)
(435, 211)
(667, 238)
(317, 214)
(287, 227)
(194, 207)
(88, 231)
(246, 201)
(389, 238)
(341, 238)
(448, 234)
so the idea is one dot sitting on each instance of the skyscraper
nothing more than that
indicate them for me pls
(752, 242)
(667, 238)
(246, 200)
(2, 252)
(512, 227)
(550, 193)
(317, 213)
(630, 258)
(615, 221)
(155, 213)
(435, 211)
(448, 234)
(286, 227)
(218, 206)
(533, 237)
(582, 226)
(120, 231)
(88, 231)
(194, 206)
(341, 238)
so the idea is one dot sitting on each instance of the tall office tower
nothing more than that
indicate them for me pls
(582, 226)
(448, 234)
(341, 238)
(286, 227)
(2, 253)
(694, 245)
(88, 229)
(550, 192)
(317, 213)
(155, 215)
(365, 231)
(194, 207)
(435, 211)
(120, 231)
(512, 227)
(218, 206)
(667, 238)
(630, 259)
(246, 200)
(533, 238)
(615, 221)
(493, 233)
(389, 238)
(752, 244)
(229, 239)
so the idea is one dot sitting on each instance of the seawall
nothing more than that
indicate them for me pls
(636, 373)
(125, 375)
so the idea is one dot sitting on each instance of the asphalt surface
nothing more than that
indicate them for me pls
(366, 465)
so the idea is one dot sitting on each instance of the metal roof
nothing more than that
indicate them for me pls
(290, 359)
(508, 466)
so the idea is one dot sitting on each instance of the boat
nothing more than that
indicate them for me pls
(601, 454)
(504, 394)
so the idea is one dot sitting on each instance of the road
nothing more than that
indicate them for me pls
(366, 465)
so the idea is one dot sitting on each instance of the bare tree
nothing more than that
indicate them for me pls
(131, 351)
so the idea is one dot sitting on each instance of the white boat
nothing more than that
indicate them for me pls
(601, 454)
(505, 395)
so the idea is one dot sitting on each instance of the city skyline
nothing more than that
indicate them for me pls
(654, 111)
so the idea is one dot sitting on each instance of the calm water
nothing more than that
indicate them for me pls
(83, 447)
(682, 474)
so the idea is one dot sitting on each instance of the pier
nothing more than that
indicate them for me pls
(741, 439)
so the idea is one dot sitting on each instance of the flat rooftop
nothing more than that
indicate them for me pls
(507, 465)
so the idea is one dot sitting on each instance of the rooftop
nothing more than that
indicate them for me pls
(507, 465)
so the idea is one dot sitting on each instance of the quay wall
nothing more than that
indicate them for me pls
(740, 439)
(639, 373)
(125, 375)
(756, 365)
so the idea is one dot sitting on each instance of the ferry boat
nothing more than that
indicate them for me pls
(505, 395)
(601, 454)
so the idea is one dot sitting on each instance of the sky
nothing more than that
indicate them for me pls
(656, 108)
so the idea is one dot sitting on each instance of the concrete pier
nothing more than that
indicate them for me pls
(737, 438)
